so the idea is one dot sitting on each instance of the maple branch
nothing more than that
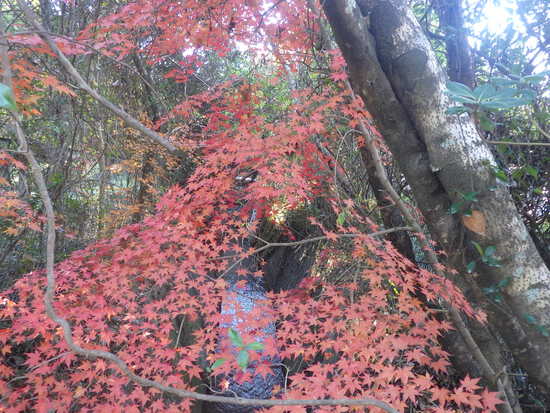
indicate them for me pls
(33, 20)
(306, 241)
(488, 372)
(324, 237)
(64, 324)
(192, 74)
(266, 13)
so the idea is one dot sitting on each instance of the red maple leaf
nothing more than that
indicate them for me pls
(490, 400)
(469, 383)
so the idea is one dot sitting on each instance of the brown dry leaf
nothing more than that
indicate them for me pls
(475, 222)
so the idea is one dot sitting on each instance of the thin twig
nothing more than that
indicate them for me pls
(266, 13)
(33, 20)
(179, 332)
(519, 143)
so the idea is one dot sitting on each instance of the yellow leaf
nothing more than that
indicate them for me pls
(79, 392)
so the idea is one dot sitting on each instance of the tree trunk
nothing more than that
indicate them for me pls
(143, 197)
(391, 217)
(459, 59)
(393, 68)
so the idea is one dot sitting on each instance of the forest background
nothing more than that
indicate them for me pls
(386, 163)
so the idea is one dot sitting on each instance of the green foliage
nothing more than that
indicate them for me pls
(7, 100)
(235, 338)
(243, 356)
(486, 255)
(341, 219)
(499, 174)
(497, 94)
(487, 96)
(463, 205)
(242, 359)
(217, 363)
(495, 291)
(533, 321)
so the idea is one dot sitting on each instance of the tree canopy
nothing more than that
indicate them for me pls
(348, 199)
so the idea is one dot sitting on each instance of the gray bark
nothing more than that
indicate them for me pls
(393, 68)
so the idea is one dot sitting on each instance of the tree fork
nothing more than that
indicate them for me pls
(394, 70)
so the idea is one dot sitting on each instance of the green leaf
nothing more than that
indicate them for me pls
(506, 92)
(484, 92)
(7, 100)
(458, 89)
(502, 81)
(499, 174)
(536, 77)
(217, 363)
(254, 346)
(470, 196)
(454, 208)
(518, 174)
(532, 78)
(457, 110)
(531, 170)
(538, 191)
(478, 248)
(462, 99)
(502, 103)
(529, 94)
(490, 250)
(341, 218)
(539, 403)
(242, 359)
(486, 123)
(471, 267)
(530, 319)
(235, 338)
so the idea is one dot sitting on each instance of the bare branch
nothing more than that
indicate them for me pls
(33, 20)
(520, 143)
